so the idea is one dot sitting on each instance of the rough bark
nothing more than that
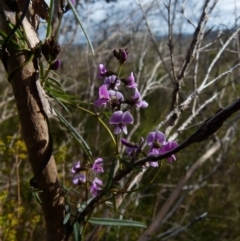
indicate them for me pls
(34, 129)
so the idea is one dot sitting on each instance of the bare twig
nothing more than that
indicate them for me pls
(154, 41)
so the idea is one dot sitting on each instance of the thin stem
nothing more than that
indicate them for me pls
(49, 28)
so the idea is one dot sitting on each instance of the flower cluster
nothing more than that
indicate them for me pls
(79, 175)
(157, 143)
(109, 96)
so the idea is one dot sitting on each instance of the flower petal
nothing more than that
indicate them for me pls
(144, 104)
(150, 138)
(127, 118)
(124, 129)
(154, 164)
(101, 70)
(117, 130)
(97, 165)
(160, 137)
(103, 92)
(116, 117)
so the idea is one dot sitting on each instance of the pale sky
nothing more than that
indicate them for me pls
(223, 16)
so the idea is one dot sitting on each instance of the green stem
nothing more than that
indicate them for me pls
(49, 28)
(59, 24)
(108, 130)
(46, 74)
(119, 70)
(101, 121)
(85, 110)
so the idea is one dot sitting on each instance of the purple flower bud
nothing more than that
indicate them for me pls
(55, 65)
(138, 100)
(120, 119)
(130, 81)
(101, 71)
(98, 165)
(96, 186)
(130, 147)
(121, 55)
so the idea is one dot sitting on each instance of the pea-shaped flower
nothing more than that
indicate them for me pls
(120, 120)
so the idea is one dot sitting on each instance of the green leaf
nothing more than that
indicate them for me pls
(34, 194)
(110, 175)
(12, 44)
(60, 102)
(54, 80)
(116, 222)
(68, 215)
(76, 135)
(80, 23)
(61, 96)
(52, 87)
(76, 232)
(84, 205)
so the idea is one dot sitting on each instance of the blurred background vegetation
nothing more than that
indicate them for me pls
(198, 182)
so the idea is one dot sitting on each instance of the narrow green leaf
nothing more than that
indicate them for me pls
(110, 176)
(76, 232)
(12, 44)
(116, 222)
(76, 135)
(68, 215)
(35, 195)
(84, 205)
(54, 80)
(80, 23)
(50, 87)
(60, 102)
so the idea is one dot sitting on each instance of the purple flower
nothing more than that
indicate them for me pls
(116, 98)
(103, 97)
(76, 168)
(96, 186)
(168, 147)
(79, 178)
(156, 139)
(130, 81)
(138, 100)
(111, 82)
(55, 65)
(130, 147)
(101, 71)
(120, 119)
(98, 165)
(158, 145)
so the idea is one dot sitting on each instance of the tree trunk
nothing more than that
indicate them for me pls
(34, 129)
